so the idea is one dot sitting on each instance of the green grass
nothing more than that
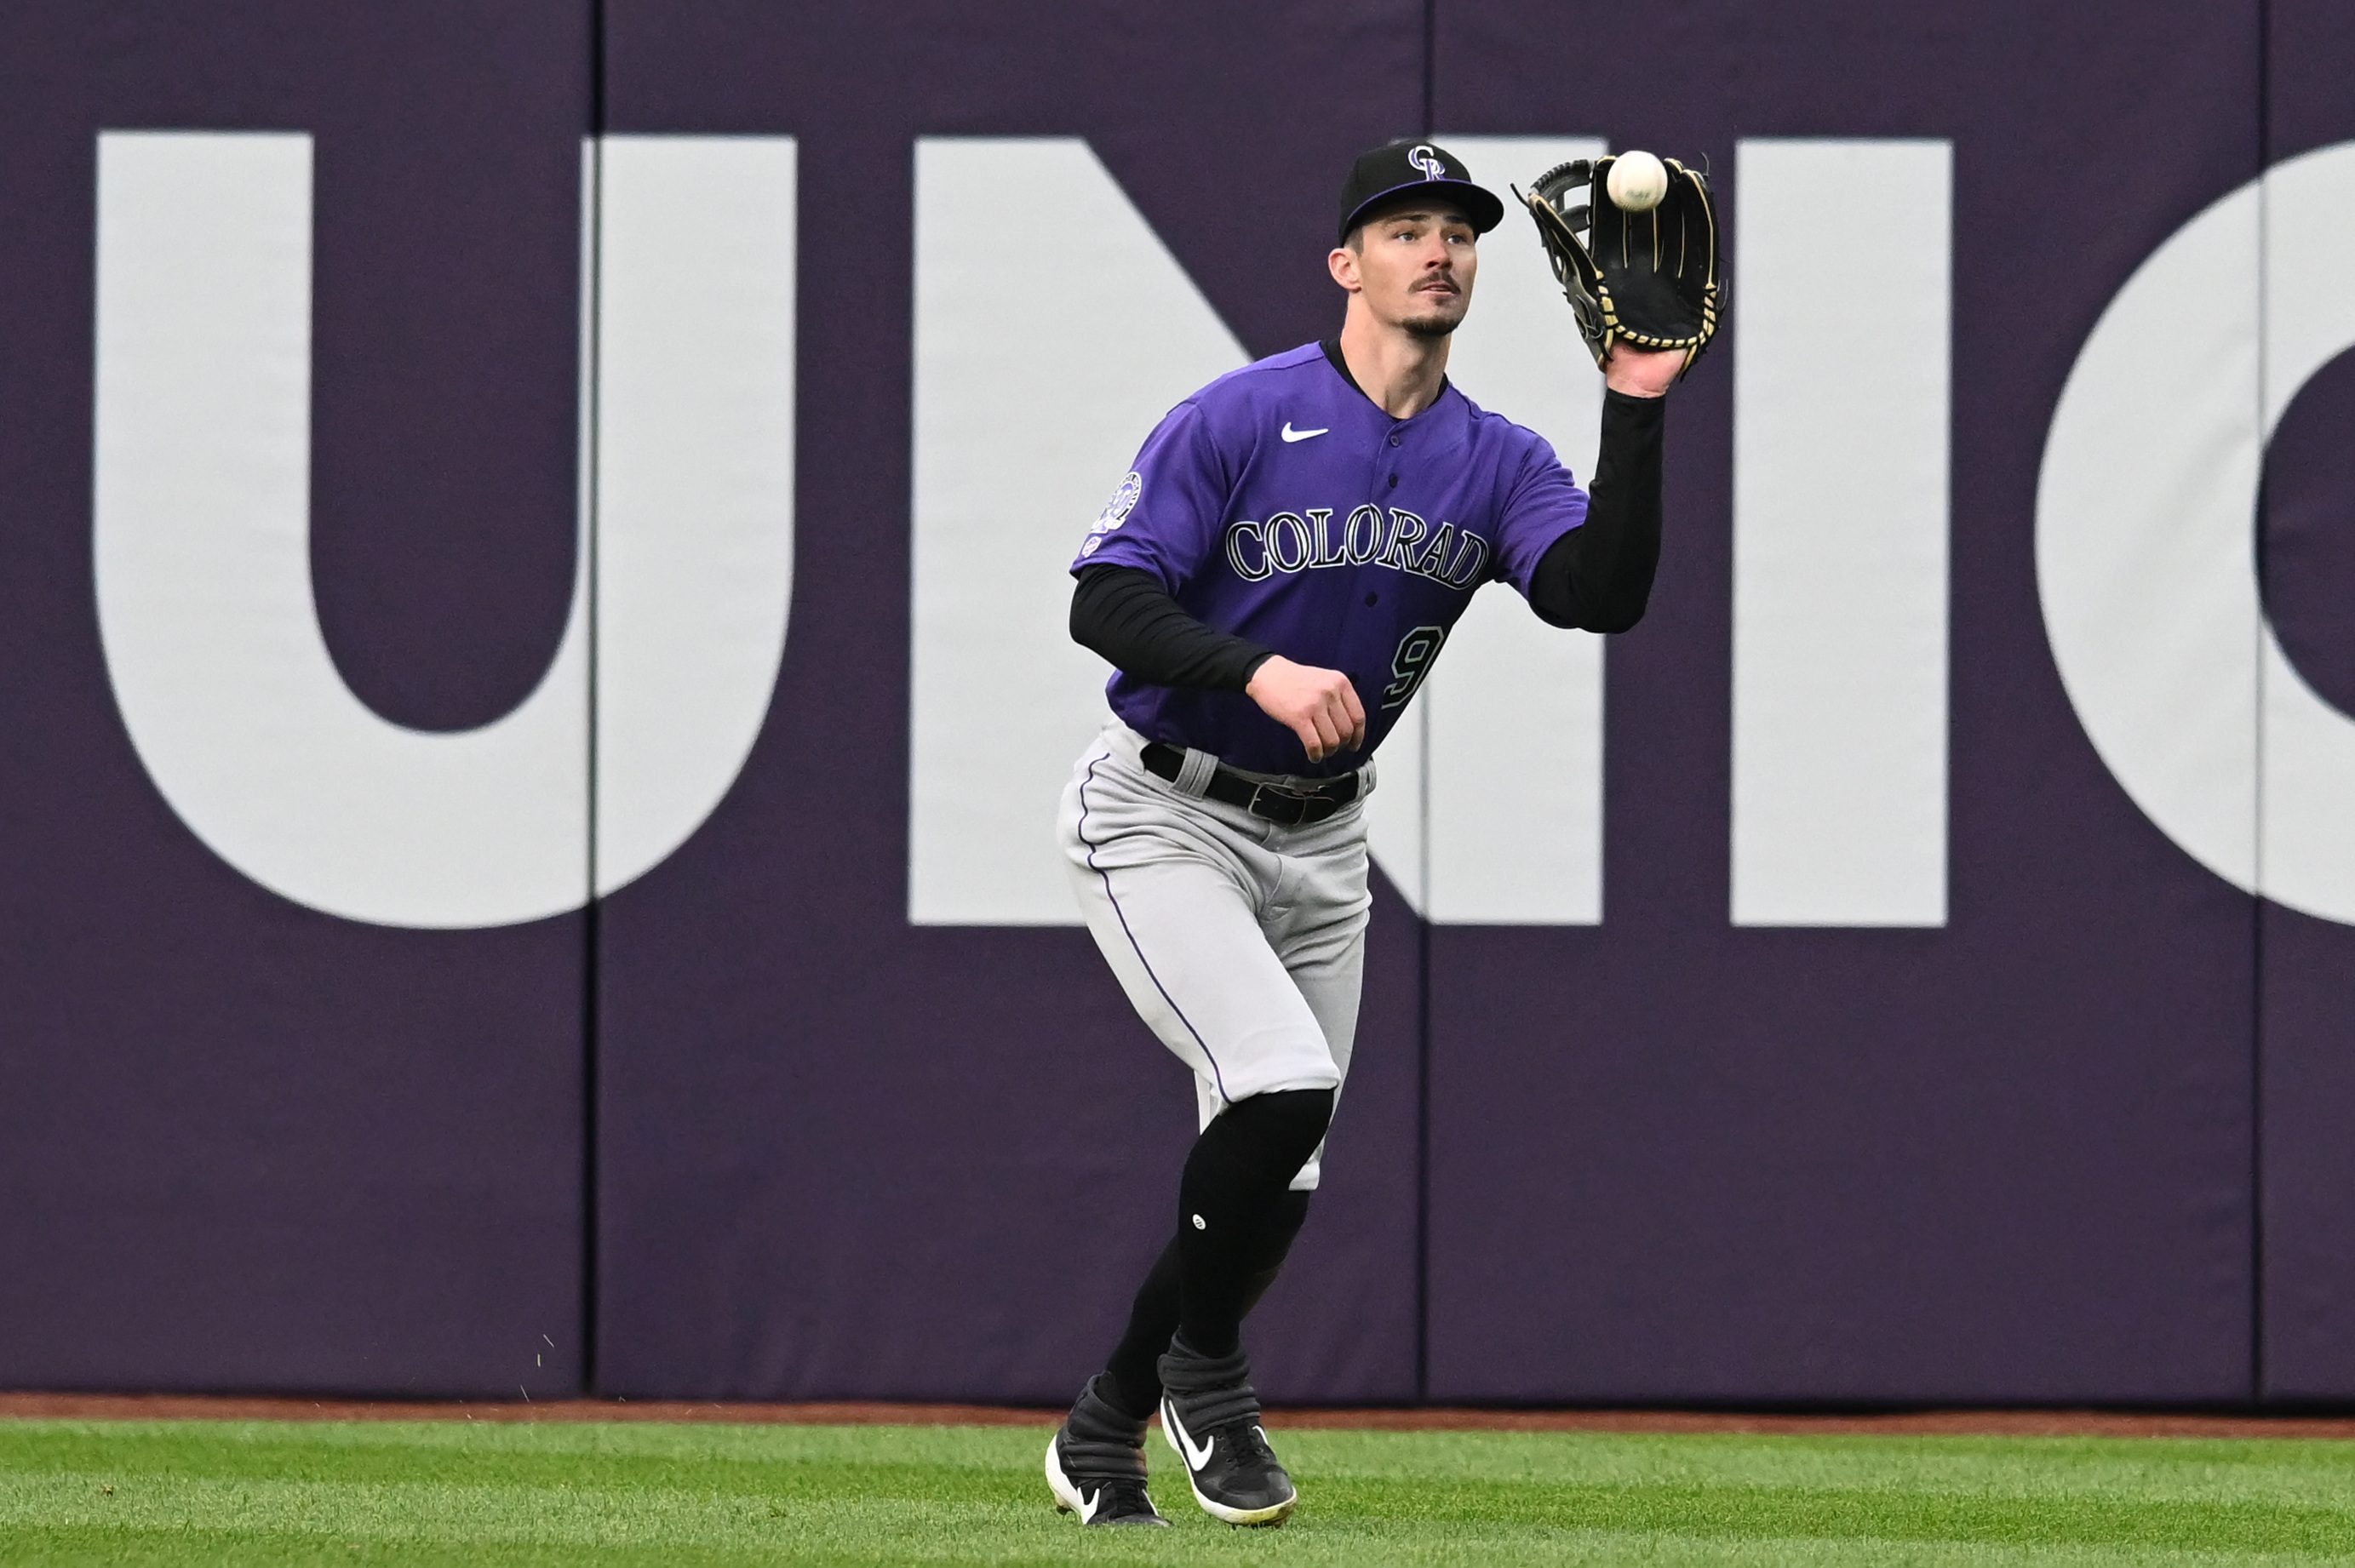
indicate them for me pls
(441, 1492)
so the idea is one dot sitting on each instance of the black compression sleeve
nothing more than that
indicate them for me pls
(1128, 617)
(1598, 576)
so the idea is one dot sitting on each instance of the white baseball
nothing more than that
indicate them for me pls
(1637, 182)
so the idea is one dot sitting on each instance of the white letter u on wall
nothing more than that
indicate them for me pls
(202, 537)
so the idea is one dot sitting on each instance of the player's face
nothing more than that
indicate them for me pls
(1415, 267)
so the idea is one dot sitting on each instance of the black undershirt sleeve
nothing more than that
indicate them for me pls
(1598, 576)
(1127, 616)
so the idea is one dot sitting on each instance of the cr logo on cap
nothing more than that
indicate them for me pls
(1427, 160)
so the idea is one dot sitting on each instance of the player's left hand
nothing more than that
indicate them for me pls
(1643, 372)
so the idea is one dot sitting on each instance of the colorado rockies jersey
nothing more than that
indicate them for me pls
(1282, 504)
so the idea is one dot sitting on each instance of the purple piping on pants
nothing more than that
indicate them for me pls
(1134, 946)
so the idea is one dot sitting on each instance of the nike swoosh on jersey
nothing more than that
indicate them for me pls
(1292, 434)
(1195, 1459)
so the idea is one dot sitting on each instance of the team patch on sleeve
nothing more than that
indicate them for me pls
(1115, 512)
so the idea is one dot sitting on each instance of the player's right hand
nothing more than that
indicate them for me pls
(1319, 706)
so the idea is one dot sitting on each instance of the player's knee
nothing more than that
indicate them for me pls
(1285, 1120)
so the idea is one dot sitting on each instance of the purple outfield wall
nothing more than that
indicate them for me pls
(244, 1145)
(2305, 999)
(2006, 1159)
(2081, 1143)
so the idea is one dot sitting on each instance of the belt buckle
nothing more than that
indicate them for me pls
(1300, 807)
(1294, 800)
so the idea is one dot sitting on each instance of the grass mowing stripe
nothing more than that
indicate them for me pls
(978, 1446)
(72, 1547)
(1880, 1513)
(931, 1461)
(109, 1546)
(2292, 1471)
(416, 1493)
(914, 1483)
(2298, 1472)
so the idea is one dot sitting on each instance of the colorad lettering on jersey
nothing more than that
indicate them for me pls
(1282, 504)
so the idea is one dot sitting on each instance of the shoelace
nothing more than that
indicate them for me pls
(1247, 1443)
(1126, 1496)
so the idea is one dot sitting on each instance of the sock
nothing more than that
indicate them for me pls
(1236, 1180)
(1284, 1218)
(1132, 1382)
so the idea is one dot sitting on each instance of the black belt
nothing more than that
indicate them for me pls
(1285, 804)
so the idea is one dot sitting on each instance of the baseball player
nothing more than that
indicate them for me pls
(1272, 584)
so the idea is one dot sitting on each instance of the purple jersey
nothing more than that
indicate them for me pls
(1281, 504)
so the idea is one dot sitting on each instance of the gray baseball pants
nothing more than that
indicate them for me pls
(1241, 942)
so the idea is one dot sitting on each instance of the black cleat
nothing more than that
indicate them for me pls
(1095, 1465)
(1209, 1413)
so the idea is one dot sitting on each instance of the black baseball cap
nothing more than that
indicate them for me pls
(1407, 165)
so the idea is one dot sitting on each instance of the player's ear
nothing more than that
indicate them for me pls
(1343, 264)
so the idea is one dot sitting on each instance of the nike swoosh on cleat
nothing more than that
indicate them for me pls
(1292, 434)
(1088, 1506)
(1195, 1459)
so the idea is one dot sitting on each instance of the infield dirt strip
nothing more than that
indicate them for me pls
(1961, 1423)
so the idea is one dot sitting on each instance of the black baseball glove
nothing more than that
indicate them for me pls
(1647, 279)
